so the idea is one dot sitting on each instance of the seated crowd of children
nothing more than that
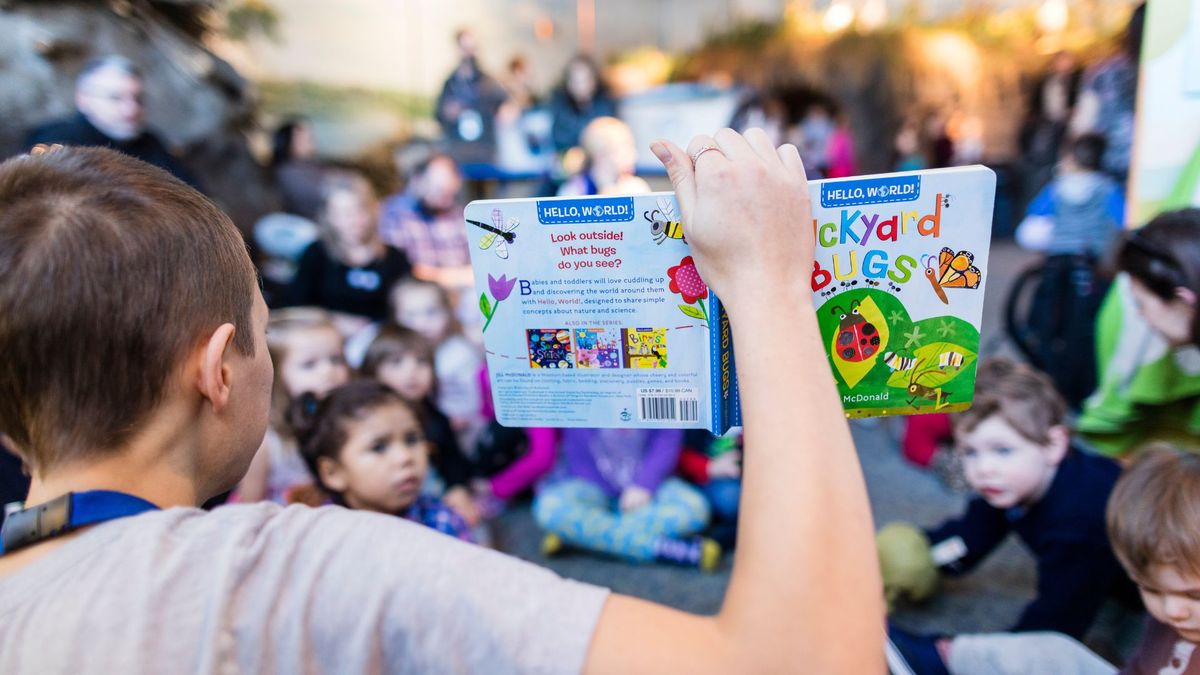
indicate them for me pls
(379, 387)
(381, 403)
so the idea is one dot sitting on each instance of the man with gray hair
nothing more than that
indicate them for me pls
(111, 113)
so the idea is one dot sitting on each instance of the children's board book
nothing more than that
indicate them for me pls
(594, 314)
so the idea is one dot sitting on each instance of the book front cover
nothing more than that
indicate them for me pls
(898, 283)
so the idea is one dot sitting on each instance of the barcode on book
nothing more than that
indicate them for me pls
(668, 406)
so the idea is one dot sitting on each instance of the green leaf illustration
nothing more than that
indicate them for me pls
(936, 364)
(485, 305)
(693, 312)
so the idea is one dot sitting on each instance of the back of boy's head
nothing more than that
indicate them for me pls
(392, 343)
(321, 427)
(1024, 398)
(1153, 512)
(1087, 151)
(111, 271)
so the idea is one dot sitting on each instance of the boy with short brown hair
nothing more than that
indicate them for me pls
(1016, 455)
(1152, 522)
(153, 264)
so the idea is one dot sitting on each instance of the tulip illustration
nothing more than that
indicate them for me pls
(501, 288)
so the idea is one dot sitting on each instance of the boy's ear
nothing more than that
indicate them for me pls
(332, 475)
(1186, 296)
(214, 375)
(1060, 441)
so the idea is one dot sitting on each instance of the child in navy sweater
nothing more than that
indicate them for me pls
(1017, 456)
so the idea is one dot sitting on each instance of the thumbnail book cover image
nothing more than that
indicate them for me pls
(597, 348)
(550, 348)
(645, 347)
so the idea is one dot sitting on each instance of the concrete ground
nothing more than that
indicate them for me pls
(989, 599)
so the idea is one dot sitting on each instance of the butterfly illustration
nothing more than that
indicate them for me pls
(954, 270)
(501, 234)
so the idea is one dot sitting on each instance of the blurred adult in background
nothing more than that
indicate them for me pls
(1051, 105)
(467, 106)
(111, 112)
(840, 154)
(816, 129)
(581, 98)
(518, 85)
(941, 146)
(1108, 98)
(763, 111)
(298, 174)
(907, 147)
(426, 222)
(522, 130)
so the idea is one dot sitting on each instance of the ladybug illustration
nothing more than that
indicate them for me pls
(857, 338)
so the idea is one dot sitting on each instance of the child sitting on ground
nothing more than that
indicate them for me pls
(307, 352)
(610, 164)
(508, 460)
(616, 497)
(714, 464)
(403, 360)
(349, 269)
(1017, 456)
(425, 307)
(365, 446)
(1151, 522)
(1081, 211)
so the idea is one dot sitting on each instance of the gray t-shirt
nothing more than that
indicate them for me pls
(260, 589)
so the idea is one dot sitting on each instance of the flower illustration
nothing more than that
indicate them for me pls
(501, 288)
(686, 281)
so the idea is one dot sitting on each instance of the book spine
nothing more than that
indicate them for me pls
(726, 412)
(733, 407)
(716, 404)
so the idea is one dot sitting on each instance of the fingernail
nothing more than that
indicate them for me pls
(661, 152)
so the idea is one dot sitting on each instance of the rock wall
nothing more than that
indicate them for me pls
(196, 102)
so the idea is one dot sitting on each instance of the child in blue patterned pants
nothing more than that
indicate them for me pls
(612, 495)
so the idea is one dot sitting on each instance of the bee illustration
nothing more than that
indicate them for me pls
(664, 222)
(896, 362)
(858, 339)
(501, 234)
(916, 390)
(950, 360)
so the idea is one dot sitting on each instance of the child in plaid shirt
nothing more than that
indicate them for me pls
(365, 446)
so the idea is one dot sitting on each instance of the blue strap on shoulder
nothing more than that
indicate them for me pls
(67, 513)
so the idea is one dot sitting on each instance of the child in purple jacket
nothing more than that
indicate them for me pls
(612, 493)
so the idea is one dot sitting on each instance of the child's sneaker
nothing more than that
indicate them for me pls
(552, 544)
(700, 552)
(920, 652)
(710, 554)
